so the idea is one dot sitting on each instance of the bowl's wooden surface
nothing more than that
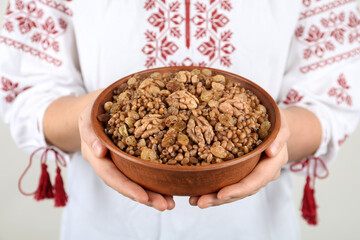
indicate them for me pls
(186, 180)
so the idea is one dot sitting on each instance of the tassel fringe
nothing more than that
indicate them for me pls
(45, 189)
(60, 194)
(309, 206)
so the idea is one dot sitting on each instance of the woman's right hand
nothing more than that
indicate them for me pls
(96, 154)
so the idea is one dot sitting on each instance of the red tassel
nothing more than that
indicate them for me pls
(45, 189)
(309, 204)
(60, 194)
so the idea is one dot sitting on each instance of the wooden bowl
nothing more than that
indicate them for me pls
(186, 180)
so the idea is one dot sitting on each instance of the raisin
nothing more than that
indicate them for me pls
(170, 121)
(183, 139)
(174, 86)
(169, 138)
(219, 151)
(206, 72)
(264, 129)
(122, 87)
(179, 126)
(219, 78)
(131, 141)
(206, 96)
(130, 122)
(227, 120)
(261, 108)
(123, 131)
(156, 76)
(132, 81)
(103, 117)
(108, 105)
(148, 154)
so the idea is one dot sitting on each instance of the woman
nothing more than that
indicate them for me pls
(58, 54)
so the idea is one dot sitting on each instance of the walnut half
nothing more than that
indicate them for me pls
(182, 99)
(200, 130)
(151, 86)
(235, 105)
(149, 125)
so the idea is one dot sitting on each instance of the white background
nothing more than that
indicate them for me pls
(21, 217)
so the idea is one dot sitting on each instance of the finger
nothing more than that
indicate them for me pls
(218, 202)
(280, 140)
(157, 201)
(112, 177)
(210, 200)
(88, 135)
(207, 200)
(170, 202)
(193, 200)
(262, 174)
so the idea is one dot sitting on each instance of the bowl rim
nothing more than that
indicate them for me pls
(113, 148)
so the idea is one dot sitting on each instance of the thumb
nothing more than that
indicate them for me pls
(98, 148)
(281, 139)
(88, 135)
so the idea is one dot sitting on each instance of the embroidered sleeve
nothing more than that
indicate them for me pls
(38, 64)
(323, 69)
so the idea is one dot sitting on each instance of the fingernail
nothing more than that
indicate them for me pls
(221, 197)
(274, 148)
(209, 204)
(171, 206)
(97, 148)
(226, 198)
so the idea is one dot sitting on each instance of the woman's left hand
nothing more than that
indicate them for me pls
(267, 170)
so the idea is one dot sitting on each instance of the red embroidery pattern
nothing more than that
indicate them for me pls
(187, 62)
(332, 32)
(340, 93)
(159, 19)
(58, 6)
(28, 49)
(323, 8)
(330, 61)
(29, 18)
(12, 89)
(318, 41)
(208, 21)
(293, 97)
(307, 3)
(341, 141)
(169, 17)
(156, 47)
